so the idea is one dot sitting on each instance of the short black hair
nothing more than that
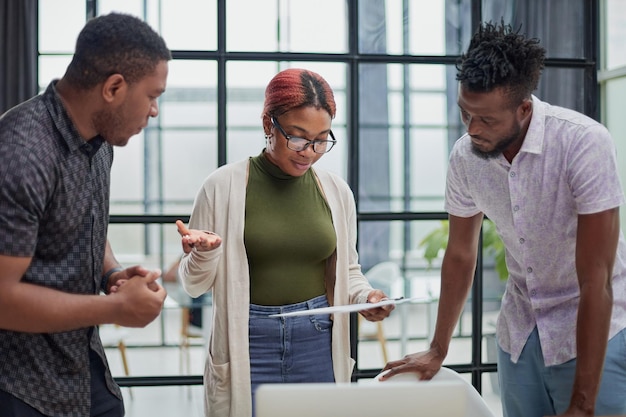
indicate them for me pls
(499, 57)
(115, 43)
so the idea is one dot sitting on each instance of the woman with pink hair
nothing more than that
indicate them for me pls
(271, 235)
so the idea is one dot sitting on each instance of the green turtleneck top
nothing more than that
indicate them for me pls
(288, 235)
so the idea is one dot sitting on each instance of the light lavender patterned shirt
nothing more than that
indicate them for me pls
(566, 167)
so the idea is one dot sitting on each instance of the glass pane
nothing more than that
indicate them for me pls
(427, 108)
(176, 152)
(615, 34)
(246, 82)
(145, 356)
(134, 7)
(193, 83)
(261, 18)
(189, 108)
(127, 176)
(427, 168)
(189, 157)
(130, 245)
(536, 19)
(286, 26)
(60, 21)
(197, 17)
(153, 245)
(159, 348)
(393, 261)
(404, 136)
(415, 250)
(246, 92)
(416, 28)
(52, 67)
(400, 242)
(427, 27)
(551, 87)
(615, 102)
(151, 12)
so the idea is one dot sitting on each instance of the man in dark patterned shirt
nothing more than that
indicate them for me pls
(56, 152)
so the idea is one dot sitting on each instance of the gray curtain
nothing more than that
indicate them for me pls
(18, 52)
(560, 86)
(458, 33)
(374, 187)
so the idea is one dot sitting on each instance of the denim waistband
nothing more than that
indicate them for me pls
(316, 302)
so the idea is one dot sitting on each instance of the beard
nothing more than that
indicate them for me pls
(110, 125)
(500, 146)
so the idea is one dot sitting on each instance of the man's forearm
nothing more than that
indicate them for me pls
(594, 318)
(455, 287)
(55, 311)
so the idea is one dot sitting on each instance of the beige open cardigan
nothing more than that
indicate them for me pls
(219, 207)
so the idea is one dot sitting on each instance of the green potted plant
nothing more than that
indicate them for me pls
(437, 241)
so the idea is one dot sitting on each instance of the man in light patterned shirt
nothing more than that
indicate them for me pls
(547, 177)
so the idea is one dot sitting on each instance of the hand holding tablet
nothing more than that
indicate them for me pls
(350, 308)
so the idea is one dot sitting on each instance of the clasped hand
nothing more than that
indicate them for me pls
(141, 297)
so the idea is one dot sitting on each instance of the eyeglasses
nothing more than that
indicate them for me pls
(299, 144)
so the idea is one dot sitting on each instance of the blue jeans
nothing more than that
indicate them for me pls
(529, 388)
(290, 349)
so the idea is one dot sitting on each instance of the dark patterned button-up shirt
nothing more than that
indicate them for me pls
(54, 202)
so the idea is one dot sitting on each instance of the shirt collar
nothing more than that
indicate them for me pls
(65, 126)
(90, 147)
(533, 142)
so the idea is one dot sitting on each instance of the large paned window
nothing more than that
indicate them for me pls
(612, 78)
(391, 64)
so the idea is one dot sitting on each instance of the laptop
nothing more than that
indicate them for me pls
(398, 399)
